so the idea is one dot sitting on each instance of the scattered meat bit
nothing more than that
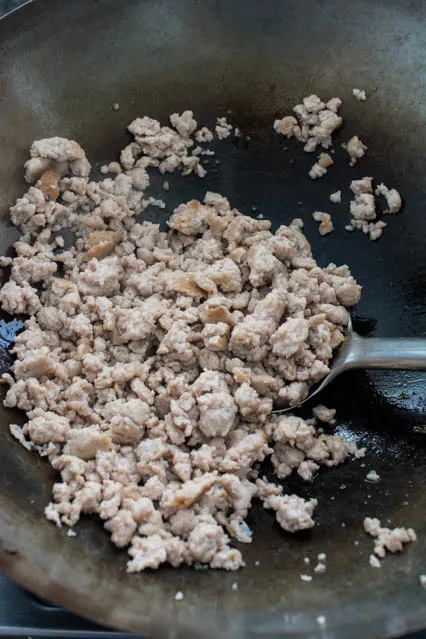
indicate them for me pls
(223, 128)
(287, 126)
(315, 124)
(355, 149)
(306, 578)
(320, 568)
(374, 561)
(336, 197)
(422, 580)
(373, 476)
(376, 230)
(363, 209)
(293, 512)
(179, 596)
(386, 538)
(324, 414)
(319, 169)
(393, 198)
(360, 453)
(204, 135)
(359, 94)
(326, 225)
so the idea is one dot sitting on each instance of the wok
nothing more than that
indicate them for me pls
(62, 66)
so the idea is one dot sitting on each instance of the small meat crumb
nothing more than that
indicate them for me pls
(234, 586)
(320, 568)
(315, 124)
(387, 539)
(321, 620)
(360, 453)
(372, 476)
(179, 595)
(336, 197)
(324, 414)
(363, 208)
(116, 106)
(306, 578)
(223, 128)
(326, 225)
(203, 135)
(166, 185)
(355, 149)
(392, 196)
(319, 169)
(359, 94)
(422, 580)
(374, 561)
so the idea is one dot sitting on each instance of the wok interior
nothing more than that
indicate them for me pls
(256, 61)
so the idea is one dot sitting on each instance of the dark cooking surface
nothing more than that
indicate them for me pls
(256, 59)
(21, 615)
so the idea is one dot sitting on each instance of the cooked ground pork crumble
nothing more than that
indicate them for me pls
(315, 124)
(387, 539)
(151, 360)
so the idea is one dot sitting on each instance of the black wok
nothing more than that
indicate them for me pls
(62, 66)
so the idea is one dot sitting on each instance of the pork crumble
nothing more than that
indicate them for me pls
(151, 360)
(386, 539)
(315, 124)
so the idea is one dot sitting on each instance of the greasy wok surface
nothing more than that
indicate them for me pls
(62, 66)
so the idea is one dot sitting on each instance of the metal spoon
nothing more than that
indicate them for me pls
(392, 353)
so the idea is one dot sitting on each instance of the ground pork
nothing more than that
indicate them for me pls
(151, 360)
(314, 125)
(319, 169)
(359, 94)
(355, 149)
(336, 197)
(326, 225)
(324, 414)
(392, 196)
(364, 208)
(387, 539)
(223, 128)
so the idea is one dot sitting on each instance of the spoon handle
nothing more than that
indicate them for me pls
(398, 353)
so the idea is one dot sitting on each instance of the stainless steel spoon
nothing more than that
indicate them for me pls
(392, 353)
